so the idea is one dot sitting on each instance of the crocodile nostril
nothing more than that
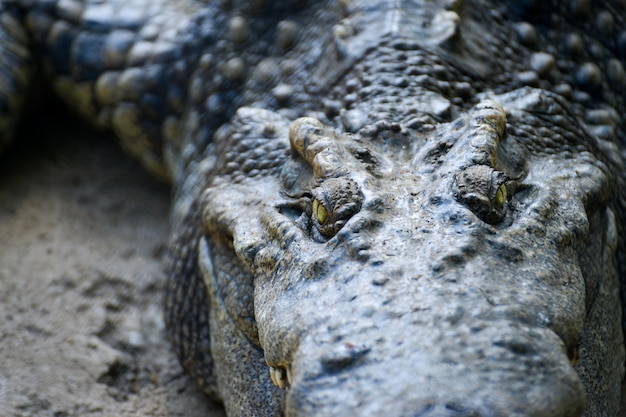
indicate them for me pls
(457, 408)
(343, 355)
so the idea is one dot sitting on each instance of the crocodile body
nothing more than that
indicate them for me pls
(401, 208)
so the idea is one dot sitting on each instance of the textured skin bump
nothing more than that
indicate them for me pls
(373, 200)
(18, 69)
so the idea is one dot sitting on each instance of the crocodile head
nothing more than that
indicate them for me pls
(443, 270)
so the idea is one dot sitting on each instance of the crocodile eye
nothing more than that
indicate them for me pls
(319, 211)
(484, 191)
(333, 203)
(500, 197)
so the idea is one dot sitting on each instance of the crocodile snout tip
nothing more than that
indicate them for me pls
(391, 379)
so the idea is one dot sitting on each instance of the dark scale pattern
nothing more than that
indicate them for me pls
(562, 138)
(236, 70)
(186, 301)
(379, 92)
(111, 60)
(17, 67)
(236, 289)
(257, 148)
(586, 47)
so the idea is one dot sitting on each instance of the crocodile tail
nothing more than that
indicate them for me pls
(17, 70)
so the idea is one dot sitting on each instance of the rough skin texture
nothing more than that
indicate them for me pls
(401, 208)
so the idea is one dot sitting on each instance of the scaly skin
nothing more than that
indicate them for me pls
(400, 208)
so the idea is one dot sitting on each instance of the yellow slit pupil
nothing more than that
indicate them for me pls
(319, 211)
(500, 196)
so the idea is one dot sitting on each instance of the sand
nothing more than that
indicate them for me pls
(83, 232)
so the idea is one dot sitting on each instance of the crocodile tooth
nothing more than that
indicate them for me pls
(273, 375)
(279, 376)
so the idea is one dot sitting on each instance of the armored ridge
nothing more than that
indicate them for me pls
(374, 200)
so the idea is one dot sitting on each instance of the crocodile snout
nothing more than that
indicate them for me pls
(405, 370)
(463, 336)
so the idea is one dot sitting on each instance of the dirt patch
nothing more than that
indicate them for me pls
(82, 239)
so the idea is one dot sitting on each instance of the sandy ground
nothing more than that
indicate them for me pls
(82, 237)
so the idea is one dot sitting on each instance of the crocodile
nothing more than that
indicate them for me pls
(397, 207)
